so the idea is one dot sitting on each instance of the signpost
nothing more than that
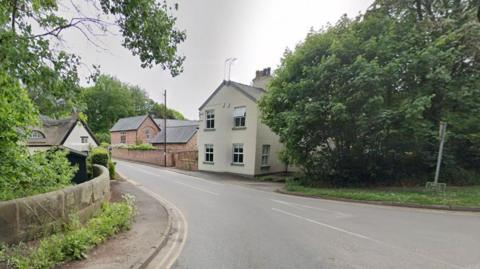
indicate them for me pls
(435, 186)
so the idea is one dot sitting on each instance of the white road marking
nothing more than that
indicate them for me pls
(324, 224)
(366, 238)
(175, 181)
(301, 207)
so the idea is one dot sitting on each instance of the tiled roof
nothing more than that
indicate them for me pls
(254, 93)
(175, 134)
(131, 123)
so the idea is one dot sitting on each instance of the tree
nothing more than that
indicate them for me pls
(110, 99)
(50, 75)
(360, 102)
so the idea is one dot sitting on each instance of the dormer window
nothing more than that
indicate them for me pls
(37, 135)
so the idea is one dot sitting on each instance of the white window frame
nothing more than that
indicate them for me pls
(210, 119)
(209, 150)
(237, 149)
(84, 139)
(237, 120)
(265, 155)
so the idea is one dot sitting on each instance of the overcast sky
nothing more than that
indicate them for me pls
(256, 32)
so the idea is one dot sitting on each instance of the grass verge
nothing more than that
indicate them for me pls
(468, 196)
(74, 242)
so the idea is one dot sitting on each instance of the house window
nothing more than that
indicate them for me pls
(238, 153)
(147, 134)
(84, 139)
(210, 119)
(123, 137)
(209, 153)
(239, 115)
(36, 135)
(265, 154)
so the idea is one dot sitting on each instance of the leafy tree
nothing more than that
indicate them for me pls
(360, 102)
(28, 28)
(110, 99)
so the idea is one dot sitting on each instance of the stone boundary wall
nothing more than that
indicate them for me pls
(32, 217)
(186, 160)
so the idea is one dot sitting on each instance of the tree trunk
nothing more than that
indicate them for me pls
(14, 14)
(418, 4)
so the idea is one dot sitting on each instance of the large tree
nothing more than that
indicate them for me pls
(110, 99)
(28, 28)
(360, 102)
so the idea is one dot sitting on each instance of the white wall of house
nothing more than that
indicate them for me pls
(74, 139)
(266, 137)
(224, 136)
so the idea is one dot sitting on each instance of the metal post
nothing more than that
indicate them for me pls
(165, 129)
(443, 128)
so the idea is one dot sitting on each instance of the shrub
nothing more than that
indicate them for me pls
(74, 242)
(139, 147)
(38, 173)
(99, 156)
(103, 137)
(111, 169)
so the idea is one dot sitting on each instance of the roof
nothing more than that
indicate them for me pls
(253, 93)
(175, 134)
(130, 123)
(55, 132)
(175, 123)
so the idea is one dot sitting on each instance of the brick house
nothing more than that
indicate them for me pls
(181, 135)
(134, 130)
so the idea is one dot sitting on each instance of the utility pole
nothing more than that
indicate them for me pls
(443, 128)
(165, 129)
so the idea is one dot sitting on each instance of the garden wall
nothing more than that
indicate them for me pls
(31, 217)
(187, 160)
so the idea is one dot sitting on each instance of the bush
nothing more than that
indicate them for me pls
(74, 242)
(38, 173)
(103, 137)
(139, 147)
(99, 156)
(111, 169)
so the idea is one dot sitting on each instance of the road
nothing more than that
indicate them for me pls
(234, 226)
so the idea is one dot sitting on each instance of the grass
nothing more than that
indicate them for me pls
(468, 196)
(73, 242)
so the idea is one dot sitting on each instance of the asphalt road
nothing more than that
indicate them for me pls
(235, 226)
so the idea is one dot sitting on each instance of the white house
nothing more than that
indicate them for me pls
(231, 136)
(71, 133)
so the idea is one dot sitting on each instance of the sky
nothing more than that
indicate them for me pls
(256, 32)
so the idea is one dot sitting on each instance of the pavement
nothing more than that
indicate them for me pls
(130, 249)
(235, 225)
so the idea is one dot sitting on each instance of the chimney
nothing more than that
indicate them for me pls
(262, 77)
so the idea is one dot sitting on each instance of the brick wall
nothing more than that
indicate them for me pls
(139, 135)
(145, 156)
(186, 160)
(131, 137)
(148, 124)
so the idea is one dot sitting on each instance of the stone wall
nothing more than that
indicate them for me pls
(31, 217)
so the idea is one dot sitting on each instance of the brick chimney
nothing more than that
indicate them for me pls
(262, 77)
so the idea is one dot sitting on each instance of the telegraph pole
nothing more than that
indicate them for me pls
(165, 129)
